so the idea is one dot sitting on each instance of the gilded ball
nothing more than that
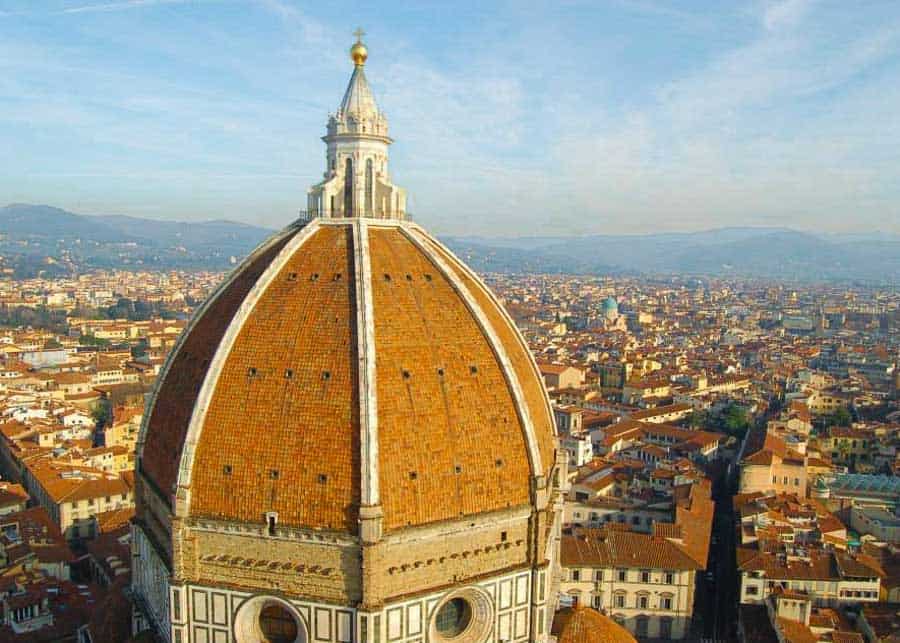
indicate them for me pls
(359, 53)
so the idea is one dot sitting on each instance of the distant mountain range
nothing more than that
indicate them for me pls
(33, 233)
(776, 253)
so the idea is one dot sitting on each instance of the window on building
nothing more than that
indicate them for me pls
(453, 618)
(665, 603)
(370, 182)
(348, 188)
(176, 605)
(597, 602)
(619, 600)
(665, 628)
(277, 625)
(645, 576)
(576, 575)
(623, 575)
(598, 575)
(796, 482)
(670, 578)
(641, 626)
(751, 590)
(643, 601)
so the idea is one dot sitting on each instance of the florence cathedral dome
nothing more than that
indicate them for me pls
(351, 441)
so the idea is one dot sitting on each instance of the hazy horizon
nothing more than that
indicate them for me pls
(501, 236)
(617, 117)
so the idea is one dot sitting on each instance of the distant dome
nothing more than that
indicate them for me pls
(610, 307)
(585, 625)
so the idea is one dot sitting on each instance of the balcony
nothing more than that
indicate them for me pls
(305, 216)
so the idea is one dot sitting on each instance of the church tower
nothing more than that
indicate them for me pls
(350, 442)
(356, 181)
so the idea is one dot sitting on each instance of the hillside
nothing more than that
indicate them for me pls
(40, 238)
(775, 253)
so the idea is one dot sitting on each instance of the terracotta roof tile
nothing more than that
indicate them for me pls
(178, 389)
(289, 445)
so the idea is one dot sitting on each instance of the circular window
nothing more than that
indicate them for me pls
(268, 619)
(453, 618)
(464, 616)
(277, 625)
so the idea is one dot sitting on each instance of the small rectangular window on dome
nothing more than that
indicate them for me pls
(251, 372)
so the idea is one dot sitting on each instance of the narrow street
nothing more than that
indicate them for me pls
(717, 598)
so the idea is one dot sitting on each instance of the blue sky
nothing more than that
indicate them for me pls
(518, 118)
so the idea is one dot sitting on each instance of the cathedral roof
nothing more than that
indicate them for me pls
(585, 625)
(358, 99)
(348, 363)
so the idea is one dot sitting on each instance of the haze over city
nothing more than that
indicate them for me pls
(517, 119)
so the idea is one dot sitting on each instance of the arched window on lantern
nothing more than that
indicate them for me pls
(370, 187)
(348, 188)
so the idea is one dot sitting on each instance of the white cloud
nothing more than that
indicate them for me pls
(784, 14)
(123, 5)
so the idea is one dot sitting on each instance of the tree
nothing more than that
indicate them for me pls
(101, 411)
(840, 417)
(91, 340)
(733, 420)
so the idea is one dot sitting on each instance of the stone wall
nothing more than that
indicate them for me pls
(294, 564)
(423, 559)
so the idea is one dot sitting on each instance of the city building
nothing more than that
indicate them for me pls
(645, 582)
(287, 487)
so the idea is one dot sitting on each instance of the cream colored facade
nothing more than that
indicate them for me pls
(778, 476)
(648, 602)
(756, 587)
